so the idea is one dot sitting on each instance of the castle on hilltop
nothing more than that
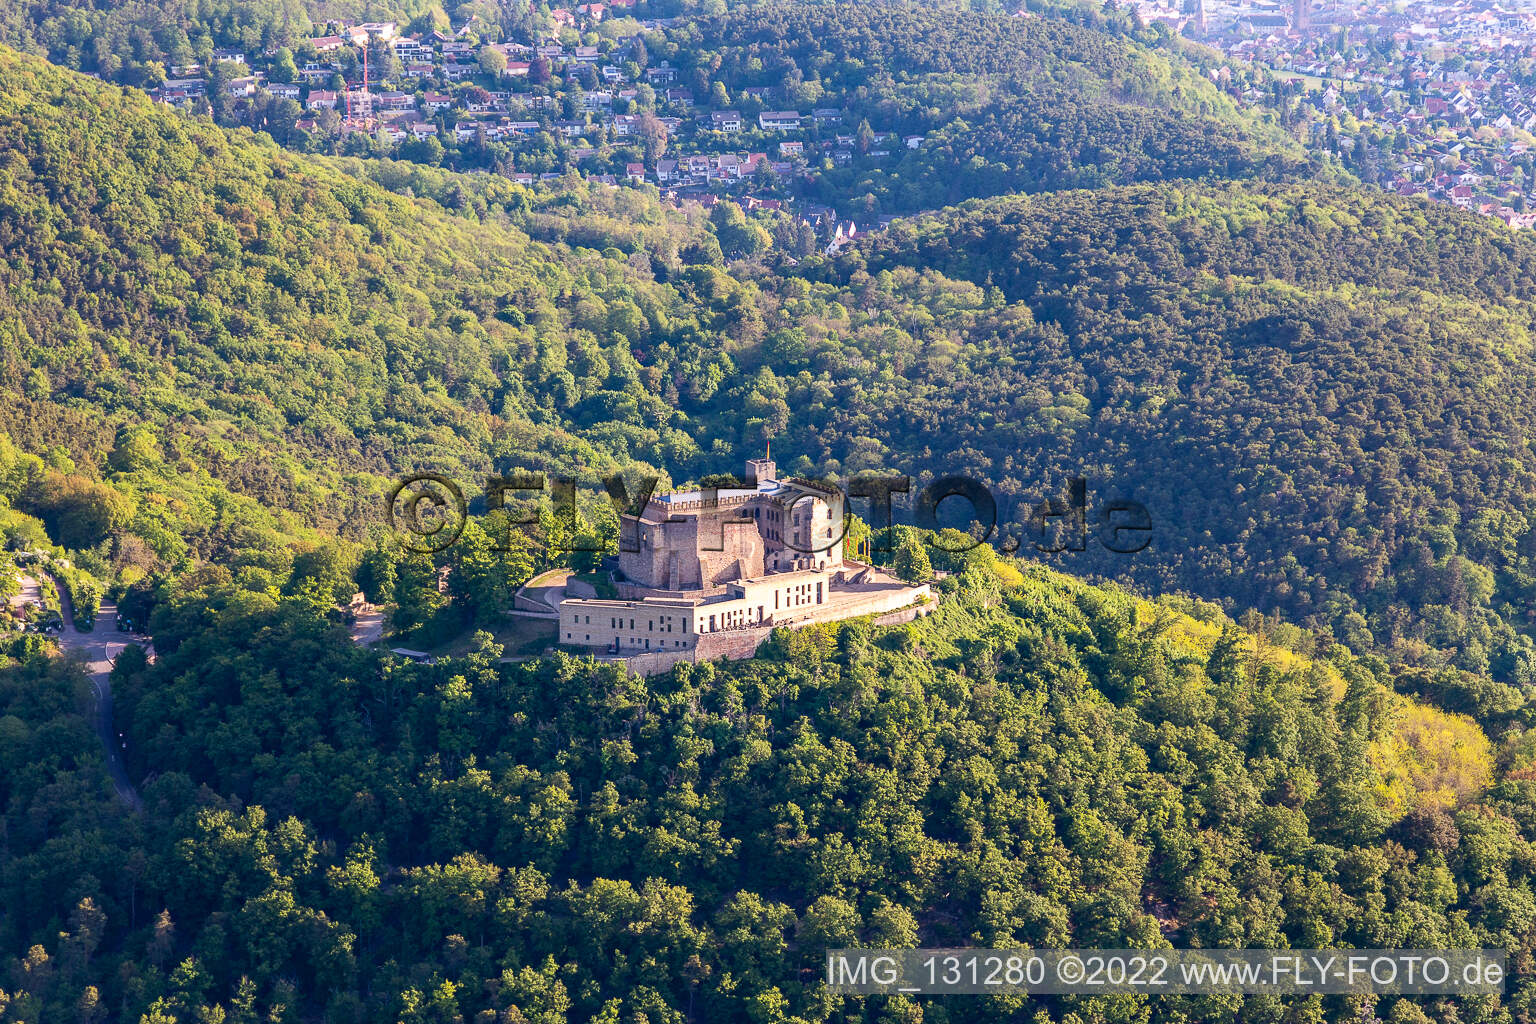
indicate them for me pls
(696, 541)
(708, 573)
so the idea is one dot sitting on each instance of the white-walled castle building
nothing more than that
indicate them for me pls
(700, 564)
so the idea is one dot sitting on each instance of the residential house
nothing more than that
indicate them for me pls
(409, 49)
(845, 232)
(181, 90)
(381, 30)
(779, 120)
(727, 167)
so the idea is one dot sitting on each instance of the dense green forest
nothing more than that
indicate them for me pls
(1323, 394)
(1318, 392)
(295, 333)
(331, 836)
(1006, 104)
(214, 354)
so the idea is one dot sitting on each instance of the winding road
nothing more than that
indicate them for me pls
(96, 651)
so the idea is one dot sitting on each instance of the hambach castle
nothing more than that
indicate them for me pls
(708, 576)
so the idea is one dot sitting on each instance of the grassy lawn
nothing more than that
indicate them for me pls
(600, 582)
(549, 577)
(520, 637)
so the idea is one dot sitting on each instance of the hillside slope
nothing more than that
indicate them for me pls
(1040, 762)
(1004, 104)
(297, 332)
(1323, 395)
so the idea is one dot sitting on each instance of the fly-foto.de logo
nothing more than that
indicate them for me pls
(428, 510)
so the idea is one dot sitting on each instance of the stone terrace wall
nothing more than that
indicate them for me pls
(732, 645)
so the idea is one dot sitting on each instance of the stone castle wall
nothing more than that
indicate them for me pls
(892, 607)
(674, 555)
(730, 645)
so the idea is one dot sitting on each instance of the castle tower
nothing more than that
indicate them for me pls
(1302, 15)
(761, 471)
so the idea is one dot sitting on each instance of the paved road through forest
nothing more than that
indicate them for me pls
(96, 651)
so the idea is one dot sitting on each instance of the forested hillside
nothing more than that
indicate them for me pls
(135, 41)
(214, 353)
(294, 331)
(1323, 395)
(329, 836)
(1008, 104)
(1320, 393)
